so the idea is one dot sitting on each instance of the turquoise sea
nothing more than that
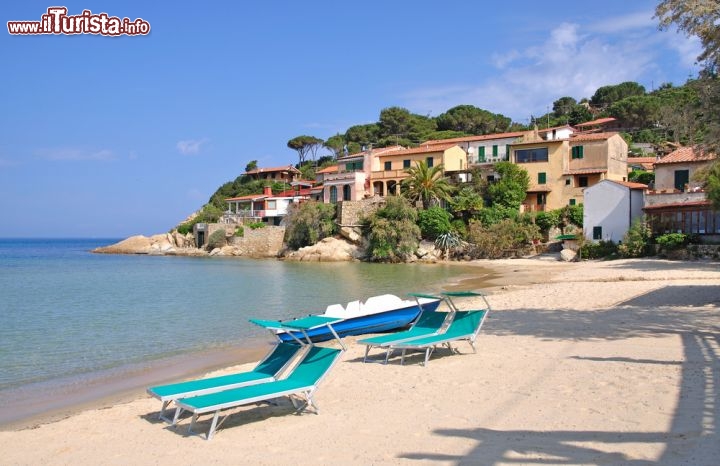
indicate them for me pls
(69, 318)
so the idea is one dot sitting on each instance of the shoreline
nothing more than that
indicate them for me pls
(613, 362)
(51, 401)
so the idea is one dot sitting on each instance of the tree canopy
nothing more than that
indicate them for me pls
(426, 184)
(305, 145)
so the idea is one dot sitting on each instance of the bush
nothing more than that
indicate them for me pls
(256, 225)
(575, 214)
(460, 227)
(393, 234)
(672, 241)
(504, 239)
(636, 242)
(308, 223)
(496, 214)
(591, 250)
(433, 222)
(217, 239)
(547, 220)
(239, 232)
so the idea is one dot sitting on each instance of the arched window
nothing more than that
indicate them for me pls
(346, 192)
(333, 194)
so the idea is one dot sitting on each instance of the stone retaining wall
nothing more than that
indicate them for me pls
(262, 242)
(351, 212)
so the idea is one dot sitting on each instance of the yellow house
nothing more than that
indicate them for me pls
(389, 169)
(561, 169)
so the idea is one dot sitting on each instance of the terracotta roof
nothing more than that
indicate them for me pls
(249, 197)
(599, 121)
(287, 168)
(629, 184)
(424, 149)
(585, 171)
(378, 151)
(483, 137)
(539, 189)
(686, 154)
(330, 169)
(678, 204)
(591, 136)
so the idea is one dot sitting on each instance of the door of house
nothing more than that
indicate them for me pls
(682, 177)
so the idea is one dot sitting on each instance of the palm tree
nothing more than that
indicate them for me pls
(426, 184)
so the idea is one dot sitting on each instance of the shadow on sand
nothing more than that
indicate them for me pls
(690, 312)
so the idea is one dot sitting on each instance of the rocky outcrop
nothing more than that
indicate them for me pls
(164, 244)
(327, 250)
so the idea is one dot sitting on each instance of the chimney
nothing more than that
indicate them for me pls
(267, 191)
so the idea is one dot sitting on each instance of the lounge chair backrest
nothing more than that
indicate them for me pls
(314, 365)
(431, 319)
(465, 323)
(279, 358)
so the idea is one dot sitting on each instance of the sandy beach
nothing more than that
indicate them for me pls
(578, 363)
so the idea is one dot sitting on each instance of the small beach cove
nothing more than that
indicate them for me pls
(84, 329)
(601, 363)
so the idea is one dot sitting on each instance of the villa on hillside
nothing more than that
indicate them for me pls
(266, 207)
(286, 174)
(559, 169)
(678, 204)
(349, 180)
(390, 168)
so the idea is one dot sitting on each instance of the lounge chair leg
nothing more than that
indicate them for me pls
(472, 343)
(427, 355)
(387, 355)
(213, 426)
(178, 412)
(367, 350)
(192, 423)
(161, 416)
(402, 357)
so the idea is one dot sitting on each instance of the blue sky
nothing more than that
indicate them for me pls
(111, 137)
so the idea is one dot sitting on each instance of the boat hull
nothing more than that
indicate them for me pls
(385, 321)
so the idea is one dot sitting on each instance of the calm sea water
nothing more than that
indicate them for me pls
(66, 312)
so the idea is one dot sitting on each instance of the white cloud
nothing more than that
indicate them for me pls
(688, 48)
(190, 146)
(75, 154)
(572, 61)
(626, 23)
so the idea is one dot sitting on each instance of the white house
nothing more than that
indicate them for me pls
(610, 207)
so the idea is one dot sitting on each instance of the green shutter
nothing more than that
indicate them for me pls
(495, 150)
(507, 152)
(542, 178)
(481, 154)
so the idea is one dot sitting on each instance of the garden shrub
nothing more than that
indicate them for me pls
(240, 232)
(217, 239)
(504, 239)
(433, 222)
(601, 249)
(672, 241)
(636, 242)
(393, 234)
(308, 223)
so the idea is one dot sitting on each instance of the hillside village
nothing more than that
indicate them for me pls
(588, 170)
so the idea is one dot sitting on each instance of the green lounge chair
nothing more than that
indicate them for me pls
(267, 370)
(465, 326)
(428, 323)
(302, 381)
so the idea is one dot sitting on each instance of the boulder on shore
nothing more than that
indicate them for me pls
(162, 244)
(327, 250)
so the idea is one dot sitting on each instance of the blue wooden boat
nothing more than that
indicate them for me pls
(377, 314)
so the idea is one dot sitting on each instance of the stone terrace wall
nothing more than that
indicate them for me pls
(263, 242)
(350, 212)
